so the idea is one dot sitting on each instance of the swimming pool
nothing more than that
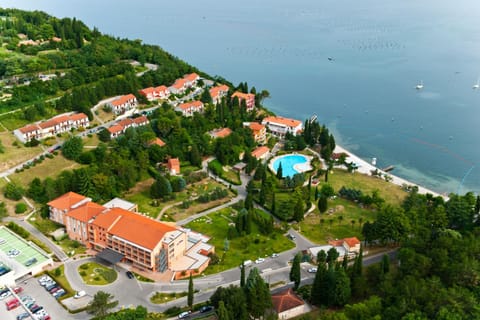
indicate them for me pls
(291, 164)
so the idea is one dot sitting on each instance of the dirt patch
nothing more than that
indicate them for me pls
(141, 186)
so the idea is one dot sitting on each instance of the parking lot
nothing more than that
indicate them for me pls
(32, 288)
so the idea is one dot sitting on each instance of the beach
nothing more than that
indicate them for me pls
(367, 168)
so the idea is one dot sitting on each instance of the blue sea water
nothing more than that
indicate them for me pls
(288, 164)
(365, 93)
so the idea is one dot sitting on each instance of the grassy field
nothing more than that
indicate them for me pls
(103, 115)
(48, 168)
(162, 297)
(249, 247)
(336, 223)
(178, 213)
(14, 154)
(392, 193)
(96, 274)
(140, 194)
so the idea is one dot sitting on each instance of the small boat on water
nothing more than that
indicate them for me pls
(476, 85)
(374, 161)
(419, 86)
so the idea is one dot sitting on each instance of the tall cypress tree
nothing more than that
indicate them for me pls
(190, 292)
(242, 275)
(295, 275)
(280, 171)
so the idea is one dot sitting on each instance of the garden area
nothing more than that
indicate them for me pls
(244, 246)
(140, 195)
(163, 297)
(14, 152)
(96, 274)
(227, 173)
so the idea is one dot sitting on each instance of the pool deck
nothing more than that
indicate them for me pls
(300, 167)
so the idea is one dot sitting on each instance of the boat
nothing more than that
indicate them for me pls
(477, 85)
(374, 161)
(419, 86)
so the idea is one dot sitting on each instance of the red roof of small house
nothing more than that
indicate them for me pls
(179, 83)
(66, 201)
(147, 91)
(115, 128)
(255, 126)
(281, 120)
(29, 128)
(161, 89)
(286, 300)
(214, 92)
(194, 104)
(125, 122)
(86, 212)
(336, 243)
(191, 77)
(243, 96)
(133, 227)
(352, 242)
(260, 151)
(222, 133)
(78, 116)
(174, 164)
(158, 142)
(123, 99)
(141, 120)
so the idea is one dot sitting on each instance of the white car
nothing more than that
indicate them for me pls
(184, 314)
(259, 260)
(274, 255)
(79, 294)
(312, 270)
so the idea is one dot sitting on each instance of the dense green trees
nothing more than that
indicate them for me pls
(101, 304)
(72, 148)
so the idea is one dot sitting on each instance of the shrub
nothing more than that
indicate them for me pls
(18, 230)
(83, 273)
(13, 191)
(20, 208)
(57, 272)
(84, 266)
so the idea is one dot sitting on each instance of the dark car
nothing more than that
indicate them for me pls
(206, 309)
(35, 309)
(130, 275)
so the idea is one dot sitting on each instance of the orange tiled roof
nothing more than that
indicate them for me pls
(243, 96)
(115, 128)
(66, 201)
(281, 120)
(260, 151)
(286, 300)
(179, 83)
(222, 133)
(123, 99)
(78, 116)
(146, 91)
(352, 242)
(133, 227)
(174, 163)
(161, 89)
(336, 243)
(48, 124)
(141, 120)
(86, 212)
(125, 122)
(215, 91)
(158, 142)
(255, 126)
(191, 77)
(29, 128)
(187, 105)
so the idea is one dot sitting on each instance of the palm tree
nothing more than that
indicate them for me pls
(340, 219)
(101, 304)
(353, 223)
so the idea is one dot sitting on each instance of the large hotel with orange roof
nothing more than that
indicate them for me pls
(117, 232)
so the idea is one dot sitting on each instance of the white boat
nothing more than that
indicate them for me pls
(374, 161)
(419, 86)
(477, 85)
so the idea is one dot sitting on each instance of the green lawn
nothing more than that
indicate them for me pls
(47, 168)
(249, 247)
(14, 151)
(336, 223)
(392, 193)
(61, 279)
(161, 297)
(96, 274)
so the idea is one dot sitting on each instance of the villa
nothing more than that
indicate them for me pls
(287, 304)
(157, 141)
(121, 126)
(173, 166)
(59, 124)
(249, 99)
(345, 247)
(123, 104)
(181, 85)
(220, 133)
(259, 131)
(118, 234)
(189, 108)
(261, 153)
(280, 126)
(218, 92)
(151, 93)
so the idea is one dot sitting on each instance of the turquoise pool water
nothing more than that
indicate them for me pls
(288, 162)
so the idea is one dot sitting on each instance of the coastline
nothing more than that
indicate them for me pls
(366, 168)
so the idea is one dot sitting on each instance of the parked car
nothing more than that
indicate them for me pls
(184, 314)
(274, 255)
(246, 263)
(12, 304)
(291, 236)
(44, 279)
(5, 294)
(17, 289)
(22, 316)
(54, 289)
(51, 286)
(36, 308)
(79, 294)
(206, 309)
(259, 260)
(312, 270)
(30, 262)
(130, 275)
(59, 293)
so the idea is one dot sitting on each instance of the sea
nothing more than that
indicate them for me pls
(354, 64)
